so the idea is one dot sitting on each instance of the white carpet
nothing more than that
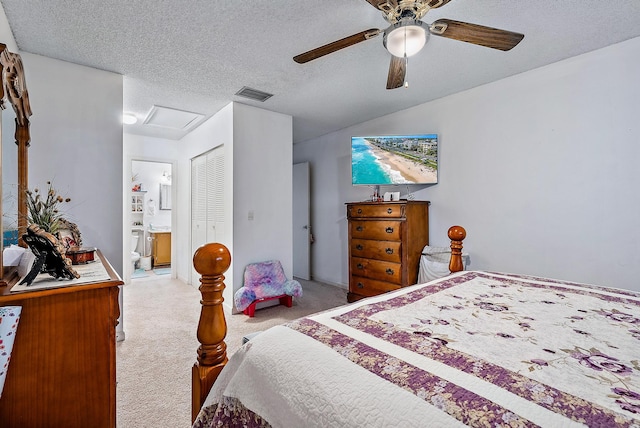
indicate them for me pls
(139, 273)
(154, 361)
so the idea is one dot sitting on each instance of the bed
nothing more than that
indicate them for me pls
(471, 349)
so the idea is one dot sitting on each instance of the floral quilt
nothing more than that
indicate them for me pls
(472, 349)
(9, 319)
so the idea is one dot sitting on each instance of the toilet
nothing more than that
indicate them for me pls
(134, 244)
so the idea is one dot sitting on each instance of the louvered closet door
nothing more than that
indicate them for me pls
(215, 195)
(198, 201)
(207, 200)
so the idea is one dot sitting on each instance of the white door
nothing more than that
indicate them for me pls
(215, 195)
(301, 221)
(207, 201)
(198, 208)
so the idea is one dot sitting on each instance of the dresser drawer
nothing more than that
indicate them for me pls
(370, 287)
(389, 251)
(380, 211)
(377, 269)
(379, 230)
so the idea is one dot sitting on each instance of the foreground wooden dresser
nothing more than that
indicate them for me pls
(385, 243)
(63, 365)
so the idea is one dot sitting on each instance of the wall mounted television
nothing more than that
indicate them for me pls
(394, 159)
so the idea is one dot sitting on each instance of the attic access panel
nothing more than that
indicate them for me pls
(170, 118)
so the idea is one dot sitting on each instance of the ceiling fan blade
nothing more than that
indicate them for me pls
(388, 5)
(476, 34)
(336, 46)
(434, 4)
(397, 70)
(383, 5)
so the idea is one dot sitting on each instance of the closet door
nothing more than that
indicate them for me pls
(207, 201)
(215, 195)
(198, 202)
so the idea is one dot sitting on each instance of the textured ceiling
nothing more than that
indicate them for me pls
(196, 54)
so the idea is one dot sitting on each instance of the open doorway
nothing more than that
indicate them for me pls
(150, 214)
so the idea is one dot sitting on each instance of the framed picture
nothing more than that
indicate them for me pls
(68, 234)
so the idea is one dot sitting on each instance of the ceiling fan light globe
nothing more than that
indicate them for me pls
(405, 38)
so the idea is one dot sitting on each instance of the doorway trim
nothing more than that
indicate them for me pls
(127, 219)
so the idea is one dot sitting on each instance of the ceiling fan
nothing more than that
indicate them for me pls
(407, 34)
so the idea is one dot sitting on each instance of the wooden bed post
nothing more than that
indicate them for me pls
(457, 235)
(211, 261)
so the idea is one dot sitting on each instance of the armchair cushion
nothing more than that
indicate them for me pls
(263, 280)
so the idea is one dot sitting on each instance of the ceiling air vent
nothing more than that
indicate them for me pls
(253, 94)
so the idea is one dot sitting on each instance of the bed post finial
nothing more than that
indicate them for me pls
(457, 235)
(210, 261)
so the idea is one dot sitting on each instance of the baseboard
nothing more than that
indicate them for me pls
(326, 281)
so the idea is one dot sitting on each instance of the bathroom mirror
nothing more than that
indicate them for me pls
(165, 196)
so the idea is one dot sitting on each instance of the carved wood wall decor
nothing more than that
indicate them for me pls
(50, 256)
(14, 89)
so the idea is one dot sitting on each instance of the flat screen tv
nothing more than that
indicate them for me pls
(394, 159)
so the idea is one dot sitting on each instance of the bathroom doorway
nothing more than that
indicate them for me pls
(150, 214)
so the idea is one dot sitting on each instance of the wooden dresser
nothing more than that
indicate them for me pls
(385, 243)
(63, 365)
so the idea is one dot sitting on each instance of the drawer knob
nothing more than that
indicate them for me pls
(389, 271)
(359, 210)
(360, 285)
(359, 228)
(389, 210)
(389, 251)
(360, 266)
(359, 247)
(389, 230)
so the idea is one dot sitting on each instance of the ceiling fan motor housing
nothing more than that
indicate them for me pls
(406, 37)
(396, 11)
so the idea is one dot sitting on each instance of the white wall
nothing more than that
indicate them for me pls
(258, 178)
(161, 151)
(216, 131)
(76, 142)
(541, 169)
(6, 35)
(150, 174)
(262, 184)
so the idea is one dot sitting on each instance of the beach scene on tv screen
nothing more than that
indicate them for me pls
(398, 159)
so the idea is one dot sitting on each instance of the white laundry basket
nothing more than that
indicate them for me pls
(434, 263)
(145, 262)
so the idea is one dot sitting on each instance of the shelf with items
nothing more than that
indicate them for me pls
(137, 202)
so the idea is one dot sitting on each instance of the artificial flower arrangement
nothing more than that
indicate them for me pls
(44, 210)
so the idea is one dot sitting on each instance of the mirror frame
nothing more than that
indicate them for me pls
(14, 88)
(165, 197)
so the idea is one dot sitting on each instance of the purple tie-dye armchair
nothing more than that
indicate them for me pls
(265, 281)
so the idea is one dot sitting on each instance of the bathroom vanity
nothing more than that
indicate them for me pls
(161, 247)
